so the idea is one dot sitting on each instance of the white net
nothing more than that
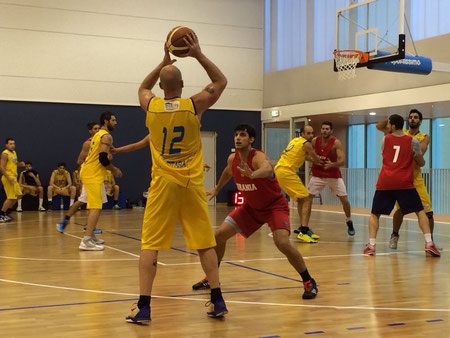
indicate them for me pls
(346, 61)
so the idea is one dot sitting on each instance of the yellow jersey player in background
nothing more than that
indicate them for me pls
(92, 174)
(8, 167)
(176, 192)
(414, 121)
(291, 159)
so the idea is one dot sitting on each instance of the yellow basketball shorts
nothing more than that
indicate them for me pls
(291, 183)
(423, 194)
(167, 203)
(94, 193)
(12, 190)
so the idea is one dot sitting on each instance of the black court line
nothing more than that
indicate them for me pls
(230, 263)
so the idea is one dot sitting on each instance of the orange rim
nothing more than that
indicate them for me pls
(352, 53)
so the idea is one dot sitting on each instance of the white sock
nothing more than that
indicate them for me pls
(348, 219)
(71, 201)
(19, 204)
(40, 202)
(428, 238)
(50, 200)
(372, 241)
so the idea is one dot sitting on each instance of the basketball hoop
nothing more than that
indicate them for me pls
(346, 61)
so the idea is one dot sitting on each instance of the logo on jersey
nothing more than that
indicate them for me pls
(171, 105)
(246, 187)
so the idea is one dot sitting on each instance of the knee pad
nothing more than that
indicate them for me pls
(429, 214)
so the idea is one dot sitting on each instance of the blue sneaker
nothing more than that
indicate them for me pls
(219, 309)
(61, 226)
(142, 316)
(96, 230)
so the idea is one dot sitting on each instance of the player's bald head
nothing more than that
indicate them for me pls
(170, 77)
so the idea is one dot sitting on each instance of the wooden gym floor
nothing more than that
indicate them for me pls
(49, 288)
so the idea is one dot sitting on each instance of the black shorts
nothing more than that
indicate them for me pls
(408, 200)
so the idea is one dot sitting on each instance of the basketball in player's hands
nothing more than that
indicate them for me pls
(175, 41)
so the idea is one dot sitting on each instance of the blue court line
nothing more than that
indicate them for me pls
(67, 304)
(434, 320)
(356, 328)
(231, 263)
(235, 291)
(314, 332)
(395, 324)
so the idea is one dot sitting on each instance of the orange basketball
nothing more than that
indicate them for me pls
(175, 42)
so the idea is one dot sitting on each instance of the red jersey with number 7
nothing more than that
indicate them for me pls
(398, 163)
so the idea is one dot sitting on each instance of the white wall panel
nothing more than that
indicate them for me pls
(67, 51)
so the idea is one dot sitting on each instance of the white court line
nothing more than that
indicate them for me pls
(31, 237)
(380, 227)
(337, 307)
(368, 215)
(107, 246)
(304, 257)
(67, 260)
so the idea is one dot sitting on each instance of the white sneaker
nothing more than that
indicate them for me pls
(42, 209)
(19, 209)
(90, 245)
(98, 240)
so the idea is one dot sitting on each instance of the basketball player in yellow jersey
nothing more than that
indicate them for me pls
(8, 167)
(176, 192)
(92, 174)
(291, 159)
(414, 121)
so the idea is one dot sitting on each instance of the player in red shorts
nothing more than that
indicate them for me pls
(264, 203)
(396, 183)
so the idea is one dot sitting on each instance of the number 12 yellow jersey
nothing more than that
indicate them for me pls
(175, 141)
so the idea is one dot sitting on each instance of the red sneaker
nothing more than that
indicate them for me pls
(431, 250)
(369, 250)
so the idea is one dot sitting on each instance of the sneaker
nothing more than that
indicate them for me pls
(139, 316)
(393, 241)
(90, 245)
(9, 218)
(96, 230)
(297, 231)
(61, 226)
(19, 209)
(3, 219)
(431, 250)
(350, 228)
(306, 238)
(116, 207)
(202, 285)
(369, 250)
(312, 234)
(98, 240)
(42, 209)
(311, 289)
(219, 309)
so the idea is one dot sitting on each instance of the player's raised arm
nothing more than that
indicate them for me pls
(261, 164)
(145, 90)
(418, 156)
(224, 178)
(132, 147)
(383, 126)
(211, 93)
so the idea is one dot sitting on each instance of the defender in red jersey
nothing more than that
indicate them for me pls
(264, 203)
(396, 183)
(327, 173)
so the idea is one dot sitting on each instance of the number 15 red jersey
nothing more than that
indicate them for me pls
(397, 170)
